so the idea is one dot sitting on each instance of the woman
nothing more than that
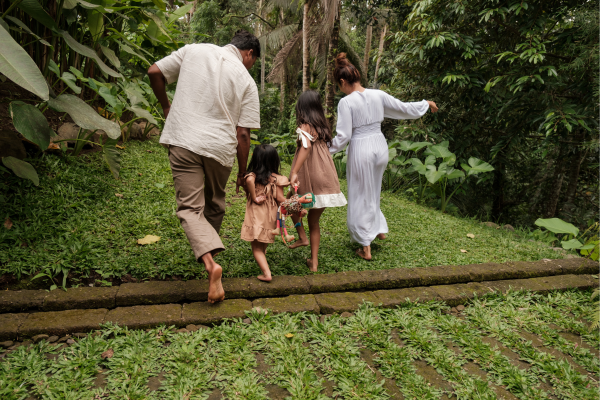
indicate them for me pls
(359, 119)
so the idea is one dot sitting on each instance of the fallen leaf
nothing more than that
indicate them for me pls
(119, 147)
(108, 353)
(139, 173)
(470, 235)
(463, 251)
(149, 239)
(149, 151)
(119, 195)
(289, 335)
(159, 185)
(8, 223)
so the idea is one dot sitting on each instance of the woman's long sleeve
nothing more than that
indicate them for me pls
(343, 128)
(396, 109)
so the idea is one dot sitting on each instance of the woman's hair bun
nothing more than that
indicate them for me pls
(345, 70)
(341, 60)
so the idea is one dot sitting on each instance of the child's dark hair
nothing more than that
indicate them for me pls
(345, 70)
(309, 110)
(264, 162)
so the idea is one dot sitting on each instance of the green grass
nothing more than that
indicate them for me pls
(74, 221)
(301, 353)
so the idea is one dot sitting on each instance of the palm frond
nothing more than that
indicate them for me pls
(351, 52)
(278, 37)
(282, 56)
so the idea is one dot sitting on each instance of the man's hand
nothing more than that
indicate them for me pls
(432, 106)
(166, 111)
(240, 182)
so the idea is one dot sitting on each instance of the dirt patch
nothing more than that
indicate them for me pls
(389, 384)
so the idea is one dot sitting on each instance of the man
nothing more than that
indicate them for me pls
(215, 106)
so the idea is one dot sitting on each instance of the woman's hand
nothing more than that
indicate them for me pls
(259, 199)
(432, 106)
(294, 181)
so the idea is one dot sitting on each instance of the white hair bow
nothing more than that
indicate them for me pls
(302, 135)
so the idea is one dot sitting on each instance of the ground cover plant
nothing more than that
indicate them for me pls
(300, 356)
(81, 221)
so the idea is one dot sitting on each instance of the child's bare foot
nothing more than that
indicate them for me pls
(215, 288)
(310, 265)
(298, 243)
(364, 253)
(381, 236)
(265, 278)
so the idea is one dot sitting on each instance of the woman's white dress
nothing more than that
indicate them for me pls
(359, 122)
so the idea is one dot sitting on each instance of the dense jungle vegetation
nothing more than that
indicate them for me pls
(516, 138)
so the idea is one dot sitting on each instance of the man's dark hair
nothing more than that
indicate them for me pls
(244, 40)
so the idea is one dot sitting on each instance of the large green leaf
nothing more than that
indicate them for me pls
(557, 225)
(407, 145)
(37, 12)
(571, 244)
(439, 150)
(21, 25)
(95, 24)
(135, 94)
(433, 175)
(84, 115)
(476, 166)
(107, 95)
(111, 56)
(31, 123)
(71, 80)
(454, 174)
(140, 112)
(417, 165)
(112, 157)
(22, 169)
(129, 50)
(17, 66)
(88, 52)
(180, 12)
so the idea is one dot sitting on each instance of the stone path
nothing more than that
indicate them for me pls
(25, 314)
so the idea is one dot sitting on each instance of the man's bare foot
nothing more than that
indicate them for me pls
(298, 243)
(381, 236)
(364, 254)
(265, 278)
(309, 263)
(215, 287)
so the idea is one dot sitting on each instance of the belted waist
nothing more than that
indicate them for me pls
(366, 130)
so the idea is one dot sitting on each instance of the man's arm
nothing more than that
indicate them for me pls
(158, 82)
(243, 149)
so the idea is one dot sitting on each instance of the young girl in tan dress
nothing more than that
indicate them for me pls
(265, 192)
(313, 170)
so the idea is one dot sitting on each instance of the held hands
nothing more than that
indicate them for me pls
(294, 181)
(240, 182)
(432, 106)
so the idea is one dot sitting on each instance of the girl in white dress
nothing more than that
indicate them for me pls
(359, 119)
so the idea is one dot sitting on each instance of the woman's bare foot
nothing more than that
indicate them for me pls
(310, 265)
(364, 253)
(381, 236)
(265, 278)
(298, 243)
(215, 288)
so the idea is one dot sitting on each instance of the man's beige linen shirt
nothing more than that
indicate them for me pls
(214, 95)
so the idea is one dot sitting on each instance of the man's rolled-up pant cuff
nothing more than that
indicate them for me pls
(199, 251)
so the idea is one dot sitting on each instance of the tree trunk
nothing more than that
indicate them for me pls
(498, 190)
(381, 42)
(305, 55)
(330, 86)
(282, 92)
(367, 51)
(557, 181)
(573, 173)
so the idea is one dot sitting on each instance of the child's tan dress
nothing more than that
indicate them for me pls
(261, 219)
(318, 175)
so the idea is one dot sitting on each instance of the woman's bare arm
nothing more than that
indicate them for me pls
(302, 156)
(252, 190)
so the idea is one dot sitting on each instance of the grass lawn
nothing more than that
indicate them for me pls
(75, 221)
(423, 350)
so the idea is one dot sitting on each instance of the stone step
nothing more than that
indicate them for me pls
(172, 292)
(58, 323)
